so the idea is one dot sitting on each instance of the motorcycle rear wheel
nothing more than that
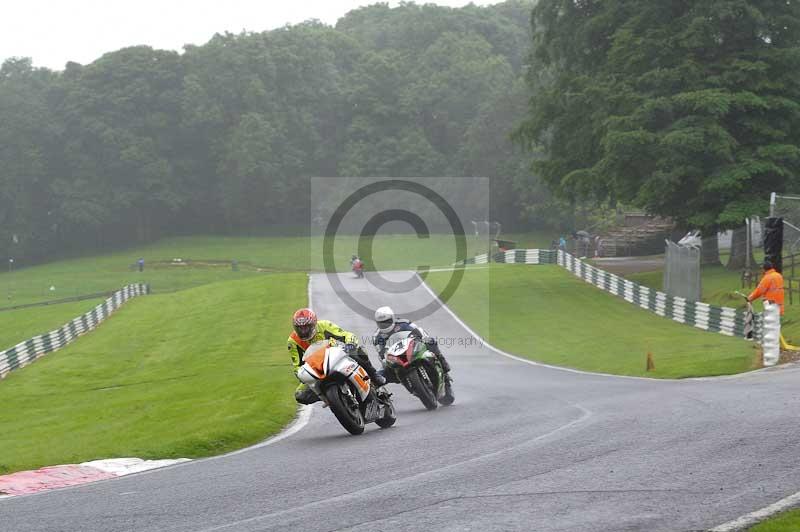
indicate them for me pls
(421, 388)
(350, 418)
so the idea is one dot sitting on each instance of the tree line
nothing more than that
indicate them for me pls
(222, 138)
(686, 108)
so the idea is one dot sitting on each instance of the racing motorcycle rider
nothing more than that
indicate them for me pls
(307, 330)
(388, 324)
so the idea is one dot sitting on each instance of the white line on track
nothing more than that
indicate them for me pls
(737, 524)
(585, 415)
(752, 518)
(515, 357)
(303, 414)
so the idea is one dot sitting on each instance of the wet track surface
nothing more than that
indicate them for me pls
(524, 447)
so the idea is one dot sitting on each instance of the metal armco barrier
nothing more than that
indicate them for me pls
(26, 352)
(724, 320)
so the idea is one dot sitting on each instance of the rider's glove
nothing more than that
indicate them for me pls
(429, 340)
(350, 348)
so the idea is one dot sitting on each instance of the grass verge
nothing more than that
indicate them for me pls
(719, 285)
(785, 522)
(19, 325)
(189, 374)
(546, 314)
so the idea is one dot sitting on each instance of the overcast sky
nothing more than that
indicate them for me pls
(53, 32)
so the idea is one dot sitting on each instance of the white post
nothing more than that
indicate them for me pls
(747, 244)
(772, 198)
(771, 340)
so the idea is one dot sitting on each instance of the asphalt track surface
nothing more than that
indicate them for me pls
(525, 447)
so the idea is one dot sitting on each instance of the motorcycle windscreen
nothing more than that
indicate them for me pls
(314, 357)
(397, 337)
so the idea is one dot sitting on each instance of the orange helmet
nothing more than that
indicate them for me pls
(305, 323)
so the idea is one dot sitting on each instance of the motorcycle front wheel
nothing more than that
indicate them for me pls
(345, 409)
(423, 388)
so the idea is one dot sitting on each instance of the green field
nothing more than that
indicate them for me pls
(204, 260)
(546, 314)
(189, 374)
(211, 262)
(785, 522)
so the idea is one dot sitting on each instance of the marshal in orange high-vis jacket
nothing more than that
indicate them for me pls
(770, 287)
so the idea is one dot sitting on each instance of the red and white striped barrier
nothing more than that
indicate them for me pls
(62, 476)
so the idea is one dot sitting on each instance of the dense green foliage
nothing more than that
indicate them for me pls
(144, 143)
(688, 108)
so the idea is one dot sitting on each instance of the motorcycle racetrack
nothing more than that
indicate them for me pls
(524, 447)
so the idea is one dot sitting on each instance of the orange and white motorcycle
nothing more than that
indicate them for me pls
(344, 386)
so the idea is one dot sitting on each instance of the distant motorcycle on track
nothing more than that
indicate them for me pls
(417, 369)
(343, 385)
(358, 268)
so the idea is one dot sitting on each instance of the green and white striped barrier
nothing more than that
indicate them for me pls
(526, 256)
(28, 351)
(516, 256)
(477, 259)
(724, 320)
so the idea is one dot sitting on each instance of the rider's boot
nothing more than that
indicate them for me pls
(305, 395)
(448, 386)
(433, 345)
(448, 380)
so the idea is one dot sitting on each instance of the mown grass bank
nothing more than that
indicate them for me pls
(188, 374)
(546, 314)
(19, 325)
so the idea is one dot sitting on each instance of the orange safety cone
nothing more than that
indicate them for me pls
(650, 364)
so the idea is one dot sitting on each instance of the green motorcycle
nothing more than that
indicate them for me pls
(411, 363)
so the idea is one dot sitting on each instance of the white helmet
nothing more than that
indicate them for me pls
(384, 317)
